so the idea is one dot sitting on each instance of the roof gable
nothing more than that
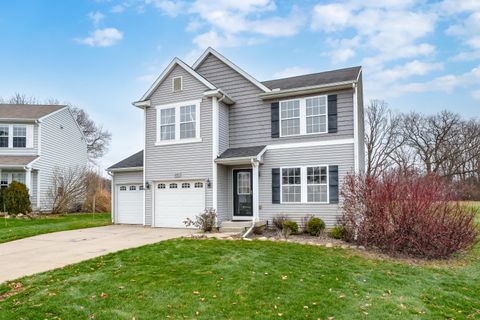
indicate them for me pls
(175, 62)
(242, 72)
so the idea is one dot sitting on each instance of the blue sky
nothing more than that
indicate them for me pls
(102, 55)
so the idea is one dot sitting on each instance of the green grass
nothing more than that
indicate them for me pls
(214, 279)
(14, 229)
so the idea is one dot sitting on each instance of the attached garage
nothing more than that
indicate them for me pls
(177, 200)
(129, 204)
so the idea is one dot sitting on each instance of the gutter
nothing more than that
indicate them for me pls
(219, 94)
(307, 90)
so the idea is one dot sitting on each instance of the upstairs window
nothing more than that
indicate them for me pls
(177, 84)
(178, 123)
(4, 130)
(303, 116)
(167, 124)
(19, 136)
(187, 122)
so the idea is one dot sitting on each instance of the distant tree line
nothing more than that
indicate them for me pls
(444, 144)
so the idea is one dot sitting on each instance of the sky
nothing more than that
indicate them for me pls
(102, 55)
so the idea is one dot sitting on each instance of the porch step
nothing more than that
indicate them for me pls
(238, 226)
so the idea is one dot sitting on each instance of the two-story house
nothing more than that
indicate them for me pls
(215, 137)
(34, 140)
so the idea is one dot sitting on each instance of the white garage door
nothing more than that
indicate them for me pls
(175, 201)
(130, 204)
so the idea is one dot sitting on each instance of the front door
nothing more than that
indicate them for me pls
(242, 194)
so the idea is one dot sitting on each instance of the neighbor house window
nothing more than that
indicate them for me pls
(291, 185)
(19, 136)
(317, 186)
(177, 84)
(4, 130)
(187, 122)
(179, 122)
(303, 116)
(16, 176)
(4, 180)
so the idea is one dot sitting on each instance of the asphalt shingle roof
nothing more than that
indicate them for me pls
(16, 160)
(241, 152)
(134, 161)
(27, 111)
(314, 79)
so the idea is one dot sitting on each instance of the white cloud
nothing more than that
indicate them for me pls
(119, 8)
(148, 78)
(291, 72)
(476, 94)
(96, 17)
(102, 37)
(169, 7)
(331, 17)
(409, 69)
(193, 26)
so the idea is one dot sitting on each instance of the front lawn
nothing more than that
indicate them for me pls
(14, 228)
(214, 279)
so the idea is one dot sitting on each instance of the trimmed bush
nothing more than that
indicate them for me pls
(289, 227)
(337, 232)
(315, 226)
(278, 221)
(407, 213)
(16, 198)
(204, 221)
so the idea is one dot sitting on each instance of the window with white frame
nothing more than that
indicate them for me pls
(317, 185)
(133, 188)
(185, 185)
(178, 122)
(7, 178)
(308, 184)
(187, 122)
(4, 131)
(19, 136)
(123, 188)
(198, 184)
(4, 181)
(291, 185)
(303, 116)
(167, 124)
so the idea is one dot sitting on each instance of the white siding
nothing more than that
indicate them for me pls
(134, 177)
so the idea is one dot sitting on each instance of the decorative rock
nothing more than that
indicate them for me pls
(353, 247)
(361, 247)
(345, 246)
(19, 215)
(263, 238)
(329, 245)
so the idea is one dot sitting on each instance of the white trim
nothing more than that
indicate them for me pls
(144, 210)
(28, 180)
(255, 191)
(39, 138)
(177, 107)
(173, 84)
(303, 116)
(310, 144)
(215, 152)
(307, 90)
(219, 94)
(212, 51)
(304, 185)
(141, 104)
(234, 217)
(165, 73)
(355, 131)
(38, 189)
(126, 169)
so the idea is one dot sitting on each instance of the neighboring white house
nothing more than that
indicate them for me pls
(215, 137)
(34, 140)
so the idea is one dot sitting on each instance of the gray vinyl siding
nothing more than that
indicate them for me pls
(191, 161)
(224, 129)
(127, 177)
(62, 146)
(361, 125)
(22, 151)
(223, 210)
(250, 117)
(341, 155)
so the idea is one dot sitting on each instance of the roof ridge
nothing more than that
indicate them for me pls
(313, 73)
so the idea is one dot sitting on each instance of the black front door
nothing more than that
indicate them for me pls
(242, 193)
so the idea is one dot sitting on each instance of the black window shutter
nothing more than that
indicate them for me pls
(275, 185)
(275, 120)
(332, 113)
(333, 183)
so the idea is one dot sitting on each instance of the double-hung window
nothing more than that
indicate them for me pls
(19, 136)
(4, 132)
(307, 184)
(303, 116)
(178, 123)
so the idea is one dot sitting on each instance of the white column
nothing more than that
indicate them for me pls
(28, 180)
(357, 140)
(255, 204)
(215, 151)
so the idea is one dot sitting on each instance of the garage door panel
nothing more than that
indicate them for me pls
(129, 204)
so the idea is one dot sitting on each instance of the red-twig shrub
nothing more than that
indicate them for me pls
(406, 213)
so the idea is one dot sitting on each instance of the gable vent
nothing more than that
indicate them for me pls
(177, 84)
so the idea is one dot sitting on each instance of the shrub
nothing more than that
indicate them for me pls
(278, 221)
(406, 213)
(315, 226)
(337, 232)
(204, 221)
(258, 230)
(16, 198)
(289, 227)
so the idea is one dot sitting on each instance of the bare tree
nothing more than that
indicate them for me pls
(20, 98)
(382, 137)
(67, 190)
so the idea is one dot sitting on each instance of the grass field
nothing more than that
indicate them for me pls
(14, 229)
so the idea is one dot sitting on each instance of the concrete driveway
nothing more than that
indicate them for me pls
(54, 250)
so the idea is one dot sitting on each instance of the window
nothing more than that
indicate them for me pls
(177, 84)
(187, 122)
(290, 117)
(19, 177)
(173, 186)
(4, 136)
(167, 124)
(316, 114)
(303, 116)
(185, 185)
(178, 122)
(317, 186)
(198, 184)
(161, 186)
(4, 180)
(123, 188)
(141, 188)
(243, 183)
(133, 188)
(291, 185)
(19, 136)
